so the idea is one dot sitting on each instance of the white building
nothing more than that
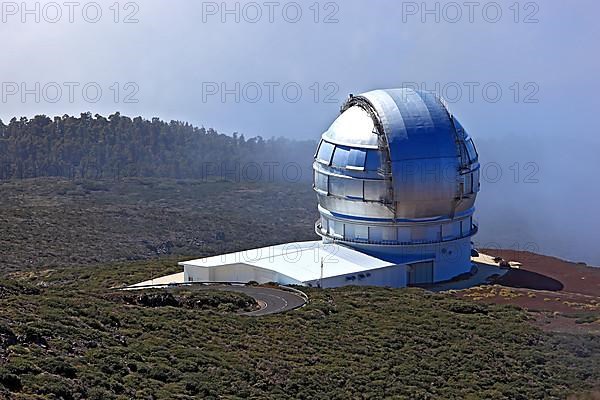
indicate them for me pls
(396, 178)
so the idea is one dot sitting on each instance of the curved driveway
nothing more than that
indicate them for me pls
(271, 300)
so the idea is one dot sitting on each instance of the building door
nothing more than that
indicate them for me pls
(420, 273)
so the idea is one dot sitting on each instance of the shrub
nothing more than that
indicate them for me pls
(60, 367)
(468, 308)
(10, 381)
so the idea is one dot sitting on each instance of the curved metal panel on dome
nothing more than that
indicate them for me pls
(422, 144)
(354, 127)
(416, 124)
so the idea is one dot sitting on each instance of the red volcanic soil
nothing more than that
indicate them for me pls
(574, 277)
(564, 296)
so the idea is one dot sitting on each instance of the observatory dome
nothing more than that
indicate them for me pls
(396, 175)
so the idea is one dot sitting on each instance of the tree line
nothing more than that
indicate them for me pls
(113, 147)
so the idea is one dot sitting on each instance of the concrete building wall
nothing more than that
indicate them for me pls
(392, 276)
(451, 258)
(235, 273)
(195, 274)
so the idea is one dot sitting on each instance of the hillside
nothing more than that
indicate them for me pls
(65, 333)
(49, 222)
(114, 147)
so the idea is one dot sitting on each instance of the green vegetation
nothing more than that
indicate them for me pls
(95, 147)
(66, 334)
(584, 317)
(187, 298)
(50, 223)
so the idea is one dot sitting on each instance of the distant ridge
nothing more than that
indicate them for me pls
(97, 147)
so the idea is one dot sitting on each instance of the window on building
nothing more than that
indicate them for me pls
(356, 159)
(373, 160)
(340, 157)
(325, 152)
(321, 182)
(354, 188)
(336, 186)
(471, 150)
(346, 187)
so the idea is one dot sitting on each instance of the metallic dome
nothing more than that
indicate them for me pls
(395, 169)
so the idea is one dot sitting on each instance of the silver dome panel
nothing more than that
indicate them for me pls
(396, 169)
(354, 127)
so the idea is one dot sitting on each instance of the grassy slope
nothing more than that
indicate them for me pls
(76, 340)
(50, 222)
(63, 332)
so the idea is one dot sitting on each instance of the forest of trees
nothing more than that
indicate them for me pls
(95, 147)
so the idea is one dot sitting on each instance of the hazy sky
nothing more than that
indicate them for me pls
(179, 56)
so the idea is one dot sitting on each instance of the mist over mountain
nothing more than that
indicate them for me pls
(535, 198)
(113, 147)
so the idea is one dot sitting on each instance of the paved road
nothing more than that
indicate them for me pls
(272, 300)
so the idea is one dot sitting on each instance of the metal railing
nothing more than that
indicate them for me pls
(318, 231)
